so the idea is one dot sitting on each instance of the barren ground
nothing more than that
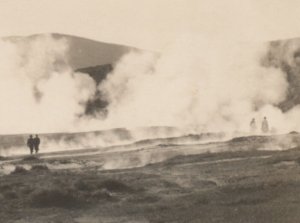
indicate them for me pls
(242, 180)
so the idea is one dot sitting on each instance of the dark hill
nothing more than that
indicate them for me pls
(98, 73)
(84, 52)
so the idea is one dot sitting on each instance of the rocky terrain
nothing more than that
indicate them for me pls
(246, 179)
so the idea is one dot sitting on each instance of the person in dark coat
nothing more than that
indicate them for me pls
(253, 125)
(36, 143)
(30, 143)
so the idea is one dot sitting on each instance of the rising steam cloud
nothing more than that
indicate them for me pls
(38, 90)
(201, 86)
(194, 84)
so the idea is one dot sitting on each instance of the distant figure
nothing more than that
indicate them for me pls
(265, 126)
(30, 143)
(253, 125)
(36, 143)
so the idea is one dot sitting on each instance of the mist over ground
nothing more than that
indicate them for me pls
(194, 84)
(149, 137)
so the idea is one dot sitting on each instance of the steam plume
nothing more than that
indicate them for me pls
(38, 90)
(196, 84)
(200, 85)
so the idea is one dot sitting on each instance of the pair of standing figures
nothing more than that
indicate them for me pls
(33, 143)
(264, 125)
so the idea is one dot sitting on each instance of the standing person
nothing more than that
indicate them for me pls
(36, 143)
(264, 125)
(30, 143)
(253, 125)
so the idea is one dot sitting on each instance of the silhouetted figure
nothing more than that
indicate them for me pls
(36, 143)
(30, 143)
(265, 126)
(253, 125)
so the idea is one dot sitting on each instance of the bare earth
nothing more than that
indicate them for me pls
(242, 180)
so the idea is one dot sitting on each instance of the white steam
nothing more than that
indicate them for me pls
(198, 85)
(194, 84)
(38, 90)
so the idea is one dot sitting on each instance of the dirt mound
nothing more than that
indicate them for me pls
(103, 194)
(145, 198)
(39, 168)
(19, 170)
(83, 186)
(115, 186)
(205, 183)
(31, 159)
(109, 185)
(249, 139)
(10, 195)
(55, 198)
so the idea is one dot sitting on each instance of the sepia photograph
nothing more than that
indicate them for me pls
(149, 111)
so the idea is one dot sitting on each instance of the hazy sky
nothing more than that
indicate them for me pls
(152, 24)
